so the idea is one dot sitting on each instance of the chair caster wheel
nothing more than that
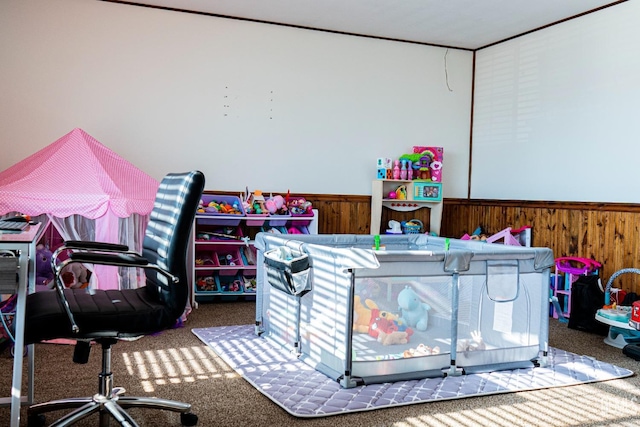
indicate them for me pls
(189, 419)
(37, 420)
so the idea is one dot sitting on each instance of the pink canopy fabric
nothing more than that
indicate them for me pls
(77, 175)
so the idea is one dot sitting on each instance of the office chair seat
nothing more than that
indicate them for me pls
(99, 313)
(105, 316)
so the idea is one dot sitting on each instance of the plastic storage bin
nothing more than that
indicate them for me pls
(229, 260)
(218, 218)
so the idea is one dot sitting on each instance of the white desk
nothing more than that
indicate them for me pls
(25, 244)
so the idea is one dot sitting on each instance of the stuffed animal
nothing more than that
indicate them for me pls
(276, 205)
(392, 338)
(475, 343)
(74, 276)
(379, 323)
(362, 314)
(44, 272)
(414, 312)
(421, 350)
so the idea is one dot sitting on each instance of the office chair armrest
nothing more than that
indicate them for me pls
(89, 245)
(117, 259)
(112, 256)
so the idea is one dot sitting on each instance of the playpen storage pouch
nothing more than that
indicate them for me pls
(288, 270)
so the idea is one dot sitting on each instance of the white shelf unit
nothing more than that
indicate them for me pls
(380, 189)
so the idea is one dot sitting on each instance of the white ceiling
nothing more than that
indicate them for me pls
(464, 24)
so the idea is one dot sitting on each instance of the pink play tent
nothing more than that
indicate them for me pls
(88, 192)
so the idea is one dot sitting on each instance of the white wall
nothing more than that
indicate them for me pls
(249, 104)
(556, 112)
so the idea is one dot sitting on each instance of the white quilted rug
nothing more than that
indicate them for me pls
(304, 392)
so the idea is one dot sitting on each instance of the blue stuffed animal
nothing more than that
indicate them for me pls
(413, 311)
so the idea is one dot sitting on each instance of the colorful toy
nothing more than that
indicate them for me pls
(74, 276)
(426, 163)
(362, 314)
(255, 202)
(299, 206)
(276, 205)
(44, 271)
(393, 338)
(401, 192)
(421, 350)
(414, 312)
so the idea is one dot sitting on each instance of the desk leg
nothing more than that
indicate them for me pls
(21, 303)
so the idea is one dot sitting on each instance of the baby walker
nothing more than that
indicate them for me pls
(621, 331)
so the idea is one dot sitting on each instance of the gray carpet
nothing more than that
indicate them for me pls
(177, 365)
(304, 392)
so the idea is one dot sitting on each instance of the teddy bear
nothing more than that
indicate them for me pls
(414, 312)
(393, 337)
(362, 314)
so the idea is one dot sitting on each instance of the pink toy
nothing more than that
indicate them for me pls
(275, 205)
(392, 194)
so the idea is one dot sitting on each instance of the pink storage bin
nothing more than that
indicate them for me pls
(219, 234)
(229, 259)
(256, 220)
(206, 260)
(298, 209)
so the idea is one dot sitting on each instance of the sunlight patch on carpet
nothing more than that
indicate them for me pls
(304, 392)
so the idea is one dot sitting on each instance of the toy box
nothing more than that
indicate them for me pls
(218, 217)
(423, 307)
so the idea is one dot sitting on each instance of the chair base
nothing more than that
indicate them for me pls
(110, 402)
(108, 407)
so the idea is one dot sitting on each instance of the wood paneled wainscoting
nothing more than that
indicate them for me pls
(606, 232)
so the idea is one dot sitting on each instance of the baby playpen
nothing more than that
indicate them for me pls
(366, 309)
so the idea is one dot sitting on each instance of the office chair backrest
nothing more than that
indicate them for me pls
(168, 235)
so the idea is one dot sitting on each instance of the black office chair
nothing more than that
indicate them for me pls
(104, 316)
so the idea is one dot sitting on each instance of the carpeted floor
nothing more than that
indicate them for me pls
(177, 365)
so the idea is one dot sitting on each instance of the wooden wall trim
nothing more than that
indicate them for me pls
(600, 206)
(606, 232)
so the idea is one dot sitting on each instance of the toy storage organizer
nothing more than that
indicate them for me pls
(486, 305)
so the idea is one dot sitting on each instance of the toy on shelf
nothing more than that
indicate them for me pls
(396, 170)
(276, 205)
(394, 227)
(254, 202)
(426, 163)
(413, 226)
(299, 206)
